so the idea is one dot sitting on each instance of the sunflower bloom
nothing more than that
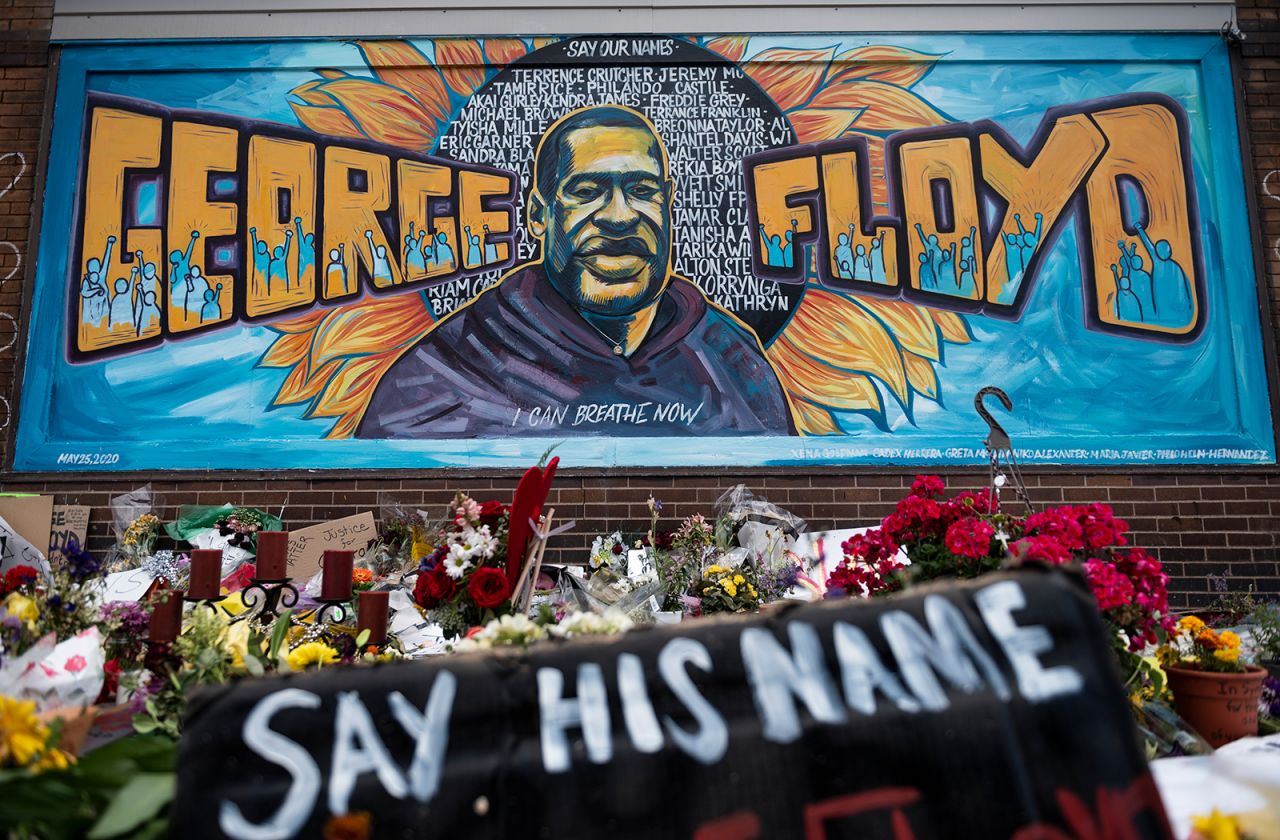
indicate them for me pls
(24, 739)
(311, 653)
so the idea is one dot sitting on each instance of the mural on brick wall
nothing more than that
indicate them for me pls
(459, 251)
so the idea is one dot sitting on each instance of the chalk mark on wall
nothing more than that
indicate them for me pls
(17, 263)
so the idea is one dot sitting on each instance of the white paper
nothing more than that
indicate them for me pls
(129, 585)
(68, 675)
(17, 551)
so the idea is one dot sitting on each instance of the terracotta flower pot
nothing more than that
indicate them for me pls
(1221, 707)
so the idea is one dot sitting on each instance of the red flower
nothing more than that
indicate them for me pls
(927, 486)
(488, 587)
(16, 578)
(491, 511)
(1041, 550)
(970, 538)
(434, 588)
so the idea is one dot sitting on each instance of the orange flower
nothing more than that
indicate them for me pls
(361, 576)
(1208, 639)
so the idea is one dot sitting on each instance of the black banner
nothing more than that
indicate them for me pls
(989, 709)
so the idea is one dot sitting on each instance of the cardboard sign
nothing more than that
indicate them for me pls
(986, 709)
(29, 517)
(69, 522)
(308, 545)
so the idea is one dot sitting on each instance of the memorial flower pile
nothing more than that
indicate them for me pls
(969, 535)
(1197, 646)
(464, 582)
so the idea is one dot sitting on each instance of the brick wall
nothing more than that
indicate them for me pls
(1200, 523)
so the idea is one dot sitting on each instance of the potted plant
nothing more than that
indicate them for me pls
(1212, 689)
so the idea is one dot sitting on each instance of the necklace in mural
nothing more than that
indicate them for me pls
(617, 345)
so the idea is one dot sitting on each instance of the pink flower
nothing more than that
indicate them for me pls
(970, 538)
(1041, 550)
(75, 664)
(927, 486)
(1110, 588)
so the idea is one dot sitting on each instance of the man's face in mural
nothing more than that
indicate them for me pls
(605, 220)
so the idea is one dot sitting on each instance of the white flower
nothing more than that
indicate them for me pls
(610, 623)
(481, 542)
(516, 629)
(457, 563)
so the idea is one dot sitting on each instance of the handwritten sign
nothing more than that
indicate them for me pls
(29, 518)
(15, 550)
(904, 717)
(129, 585)
(70, 522)
(308, 545)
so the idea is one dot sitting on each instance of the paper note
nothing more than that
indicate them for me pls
(70, 522)
(308, 545)
(129, 585)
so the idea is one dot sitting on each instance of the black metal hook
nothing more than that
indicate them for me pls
(999, 438)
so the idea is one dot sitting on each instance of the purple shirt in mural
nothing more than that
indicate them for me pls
(520, 361)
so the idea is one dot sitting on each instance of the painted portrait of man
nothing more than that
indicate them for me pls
(596, 336)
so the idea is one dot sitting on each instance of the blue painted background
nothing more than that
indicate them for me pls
(1080, 396)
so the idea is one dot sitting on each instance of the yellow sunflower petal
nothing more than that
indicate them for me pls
(815, 124)
(821, 383)
(881, 63)
(885, 107)
(502, 51)
(303, 383)
(402, 65)
(462, 62)
(732, 47)
(331, 120)
(921, 375)
(386, 114)
(813, 420)
(837, 330)
(952, 326)
(910, 324)
(789, 76)
(370, 327)
(287, 350)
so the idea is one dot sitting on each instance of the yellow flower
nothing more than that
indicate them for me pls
(1229, 639)
(1216, 826)
(22, 608)
(1191, 624)
(237, 642)
(739, 579)
(24, 739)
(311, 653)
(729, 587)
(1227, 654)
(716, 570)
(751, 590)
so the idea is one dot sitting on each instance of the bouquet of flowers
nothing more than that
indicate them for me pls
(1199, 647)
(139, 539)
(464, 582)
(725, 590)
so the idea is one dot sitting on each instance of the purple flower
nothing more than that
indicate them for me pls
(81, 564)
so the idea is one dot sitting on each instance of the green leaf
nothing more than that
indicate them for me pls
(136, 803)
(144, 724)
(362, 638)
(253, 666)
(278, 634)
